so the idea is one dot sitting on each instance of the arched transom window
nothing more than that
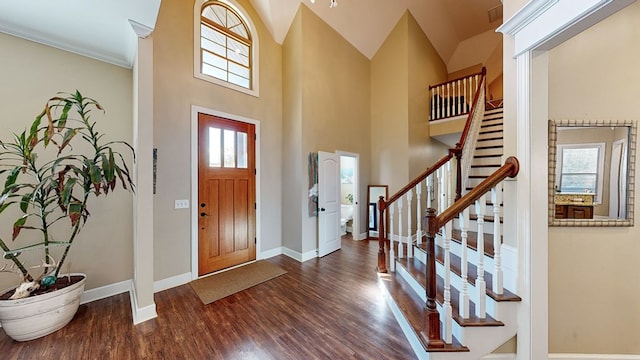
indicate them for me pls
(225, 45)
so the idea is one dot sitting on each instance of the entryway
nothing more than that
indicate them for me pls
(226, 203)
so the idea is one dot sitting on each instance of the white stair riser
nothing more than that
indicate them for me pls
(493, 152)
(482, 171)
(494, 160)
(493, 142)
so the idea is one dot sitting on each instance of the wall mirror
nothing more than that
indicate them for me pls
(591, 172)
(373, 195)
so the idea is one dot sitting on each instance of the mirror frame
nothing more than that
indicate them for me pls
(631, 170)
(386, 196)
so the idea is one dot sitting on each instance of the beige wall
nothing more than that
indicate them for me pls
(401, 72)
(32, 73)
(335, 105)
(293, 158)
(175, 91)
(594, 289)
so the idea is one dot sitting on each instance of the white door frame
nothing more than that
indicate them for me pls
(194, 180)
(355, 228)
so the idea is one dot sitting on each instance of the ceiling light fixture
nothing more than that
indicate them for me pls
(332, 3)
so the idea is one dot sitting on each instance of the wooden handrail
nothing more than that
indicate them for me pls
(482, 72)
(467, 125)
(509, 169)
(417, 180)
(433, 223)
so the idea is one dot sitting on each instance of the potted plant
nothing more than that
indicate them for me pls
(50, 171)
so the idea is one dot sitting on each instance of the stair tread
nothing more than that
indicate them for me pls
(418, 271)
(412, 307)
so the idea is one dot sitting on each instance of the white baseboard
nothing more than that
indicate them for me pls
(171, 282)
(361, 236)
(141, 314)
(270, 253)
(594, 356)
(106, 291)
(299, 256)
(499, 357)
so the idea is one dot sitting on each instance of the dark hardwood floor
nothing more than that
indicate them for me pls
(329, 308)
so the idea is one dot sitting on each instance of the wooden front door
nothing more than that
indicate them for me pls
(226, 193)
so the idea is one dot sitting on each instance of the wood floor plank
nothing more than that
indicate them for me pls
(328, 308)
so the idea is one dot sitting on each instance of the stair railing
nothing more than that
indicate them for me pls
(449, 99)
(437, 179)
(436, 223)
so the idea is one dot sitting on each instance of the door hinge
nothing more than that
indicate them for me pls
(255, 171)
(255, 206)
(255, 240)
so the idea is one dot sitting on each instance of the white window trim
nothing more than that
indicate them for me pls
(600, 182)
(255, 64)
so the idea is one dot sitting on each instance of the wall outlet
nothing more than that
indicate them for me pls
(182, 204)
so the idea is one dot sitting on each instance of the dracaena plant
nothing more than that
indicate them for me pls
(51, 169)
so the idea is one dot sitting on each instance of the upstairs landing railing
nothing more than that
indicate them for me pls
(451, 98)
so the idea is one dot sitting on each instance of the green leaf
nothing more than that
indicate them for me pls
(17, 226)
(62, 122)
(68, 136)
(75, 210)
(24, 202)
(67, 191)
(13, 176)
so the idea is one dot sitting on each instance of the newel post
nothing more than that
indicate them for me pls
(431, 329)
(382, 258)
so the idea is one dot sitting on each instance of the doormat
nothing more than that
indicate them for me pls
(218, 286)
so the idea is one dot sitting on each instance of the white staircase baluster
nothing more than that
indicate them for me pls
(392, 257)
(496, 199)
(446, 306)
(464, 265)
(449, 185)
(418, 214)
(442, 196)
(448, 104)
(458, 98)
(400, 244)
(409, 217)
(465, 93)
(433, 103)
(480, 282)
(429, 192)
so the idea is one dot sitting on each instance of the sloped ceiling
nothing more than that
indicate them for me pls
(100, 28)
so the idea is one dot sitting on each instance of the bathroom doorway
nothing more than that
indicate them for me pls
(349, 195)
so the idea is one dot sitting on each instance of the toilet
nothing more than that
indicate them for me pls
(346, 214)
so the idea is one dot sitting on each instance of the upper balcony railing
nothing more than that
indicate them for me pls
(453, 98)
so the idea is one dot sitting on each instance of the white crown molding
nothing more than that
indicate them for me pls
(544, 24)
(142, 30)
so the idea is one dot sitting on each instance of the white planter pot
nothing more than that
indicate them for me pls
(37, 316)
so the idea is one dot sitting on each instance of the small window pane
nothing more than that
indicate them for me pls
(214, 147)
(580, 160)
(213, 60)
(242, 150)
(239, 70)
(214, 71)
(240, 81)
(212, 47)
(579, 183)
(229, 148)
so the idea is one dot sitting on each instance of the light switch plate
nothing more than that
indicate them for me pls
(182, 204)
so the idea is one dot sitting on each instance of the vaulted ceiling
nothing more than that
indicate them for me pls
(102, 30)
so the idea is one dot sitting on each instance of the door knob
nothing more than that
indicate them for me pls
(204, 214)
(322, 209)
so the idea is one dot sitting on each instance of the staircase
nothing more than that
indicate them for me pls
(478, 312)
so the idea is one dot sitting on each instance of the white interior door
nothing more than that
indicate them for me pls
(328, 203)
(617, 181)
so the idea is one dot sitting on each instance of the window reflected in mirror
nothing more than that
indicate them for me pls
(591, 172)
